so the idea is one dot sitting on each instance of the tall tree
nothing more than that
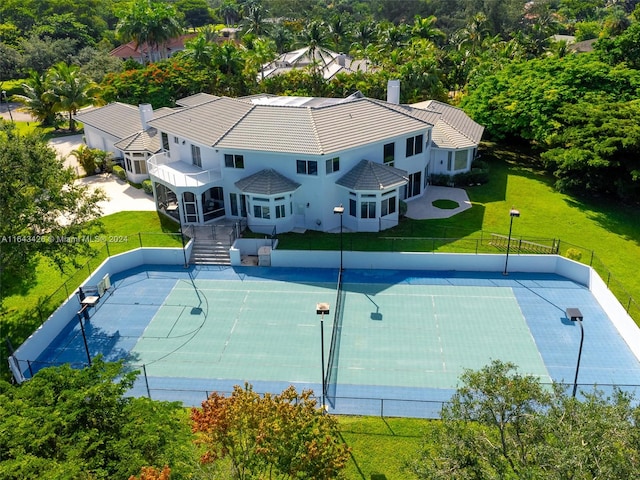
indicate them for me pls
(39, 201)
(150, 23)
(70, 90)
(36, 99)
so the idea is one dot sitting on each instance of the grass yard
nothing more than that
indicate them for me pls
(380, 447)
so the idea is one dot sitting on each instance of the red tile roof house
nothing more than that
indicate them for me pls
(144, 54)
(286, 162)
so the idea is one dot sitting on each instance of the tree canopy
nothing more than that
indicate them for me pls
(502, 424)
(80, 424)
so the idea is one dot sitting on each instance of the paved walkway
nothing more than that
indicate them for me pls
(120, 195)
(422, 208)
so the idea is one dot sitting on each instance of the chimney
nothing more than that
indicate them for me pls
(146, 114)
(393, 91)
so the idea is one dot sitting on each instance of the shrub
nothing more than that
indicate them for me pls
(574, 254)
(402, 209)
(440, 179)
(119, 171)
(147, 187)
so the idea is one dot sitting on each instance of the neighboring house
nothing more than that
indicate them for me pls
(144, 54)
(327, 62)
(284, 163)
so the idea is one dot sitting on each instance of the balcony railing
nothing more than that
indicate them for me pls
(181, 174)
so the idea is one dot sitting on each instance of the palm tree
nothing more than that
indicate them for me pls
(426, 28)
(70, 90)
(200, 50)
(230, 12)
(151, 23)
(254, 20)
(338, 31)
(282, 37)
(314, 38)
(364, 34)
(35, 99)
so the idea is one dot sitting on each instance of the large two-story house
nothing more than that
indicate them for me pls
(284, 163)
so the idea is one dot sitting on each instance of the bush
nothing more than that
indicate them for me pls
(440, 179)
(119, 171)
(574, 254)
(147, 187)
(402, 210)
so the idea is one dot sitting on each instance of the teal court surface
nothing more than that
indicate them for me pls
(395, 342)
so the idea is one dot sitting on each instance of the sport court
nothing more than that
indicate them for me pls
(402, 338)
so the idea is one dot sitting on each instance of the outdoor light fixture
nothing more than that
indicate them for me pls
(339, 210)
(4, 95)
(512, 213)
(575, 315)
(322, 309)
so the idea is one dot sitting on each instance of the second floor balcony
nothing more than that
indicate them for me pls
(177, 173)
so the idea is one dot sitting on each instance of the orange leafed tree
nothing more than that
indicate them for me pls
(270, 436)
(152, 473)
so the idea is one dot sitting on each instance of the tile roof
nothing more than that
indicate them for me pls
(368, 175)
(196, 99)
(204, 123)
(118, 119)
(266, 182)
(454, 129)
(147, 141)
(325, 128)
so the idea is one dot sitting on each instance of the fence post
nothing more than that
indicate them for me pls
(629, 303)
(30, 369)
(106, 242)
(146, 380)
(591, 261)
(382, 407)
(140, 239)
(477, 245)
(66, 290)
(608, 278)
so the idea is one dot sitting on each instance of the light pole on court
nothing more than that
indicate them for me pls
(339, 210)
(575, 315)
(512, 213)
(322, 309)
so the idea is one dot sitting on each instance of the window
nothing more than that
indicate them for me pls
(260, 211)
(280, 211)
(234, 161)
(140, 166)
(165, 141)
(449, 160)
(389, 154)
(414, 145)
(176, 140)
(333, 165)
(196, 158)
(368, 210)
(307, 167)
(460, 162)
(352, 207)
(388, 206)
(128, 164)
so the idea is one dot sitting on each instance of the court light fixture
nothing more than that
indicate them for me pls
(575, 315)
(322, 309)
(513, 213)
(339, 210)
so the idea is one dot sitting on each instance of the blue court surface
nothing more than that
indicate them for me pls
(397, 345)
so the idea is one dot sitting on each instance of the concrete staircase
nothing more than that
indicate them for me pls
(211, 244)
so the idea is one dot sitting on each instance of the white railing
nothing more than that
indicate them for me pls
(164, 168)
